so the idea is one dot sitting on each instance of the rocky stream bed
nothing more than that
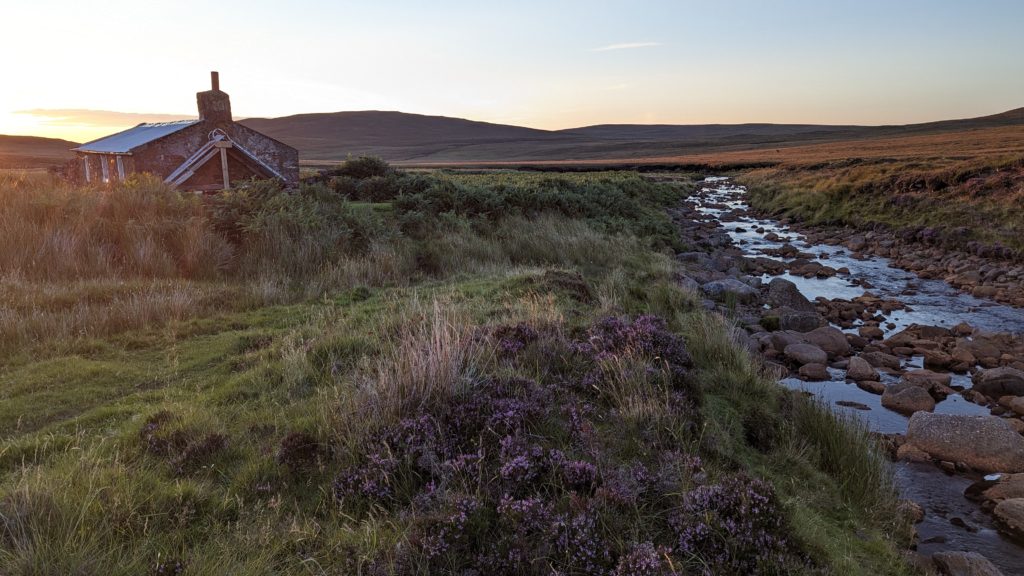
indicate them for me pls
(934, 367)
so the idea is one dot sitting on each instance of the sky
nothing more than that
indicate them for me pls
(78, 69)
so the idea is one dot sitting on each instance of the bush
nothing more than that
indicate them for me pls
(363, 167)
(632, 205)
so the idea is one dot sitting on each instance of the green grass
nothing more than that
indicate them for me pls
(137, 444)
(961, 199)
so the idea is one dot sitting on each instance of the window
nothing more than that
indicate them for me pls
(105, 168)
(120, 169)
(85, 161)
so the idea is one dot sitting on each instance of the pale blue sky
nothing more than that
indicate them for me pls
(552, 64)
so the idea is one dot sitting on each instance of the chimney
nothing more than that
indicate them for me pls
(214, 105)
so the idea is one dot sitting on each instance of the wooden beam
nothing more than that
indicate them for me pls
(224, 168)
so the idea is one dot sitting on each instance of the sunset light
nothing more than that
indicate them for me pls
(529, 288)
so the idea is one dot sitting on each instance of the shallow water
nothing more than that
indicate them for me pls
(931, 302)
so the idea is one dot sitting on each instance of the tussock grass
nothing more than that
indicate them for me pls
(429, 358)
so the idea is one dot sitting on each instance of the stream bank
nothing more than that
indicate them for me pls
(937, 373)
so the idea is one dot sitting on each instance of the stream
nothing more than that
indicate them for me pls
(951, 521)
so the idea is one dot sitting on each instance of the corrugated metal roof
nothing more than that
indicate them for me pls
(126, 141)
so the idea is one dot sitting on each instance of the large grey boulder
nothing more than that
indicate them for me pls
(964, 564)
(784, 294)
(731, 289)
(780, 340)
(798, 321)
(907, 398)
(996, 382)
(806, 354)
(688, 284)
(985, 443)
(814, 372)
(859, 370)
(829, 339)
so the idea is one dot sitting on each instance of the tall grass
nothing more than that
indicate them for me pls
(839, 445)
(431, 357)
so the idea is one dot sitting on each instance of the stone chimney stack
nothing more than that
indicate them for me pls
(214, 105)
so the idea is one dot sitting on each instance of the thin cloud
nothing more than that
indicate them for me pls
(88, 118)
(626, 46)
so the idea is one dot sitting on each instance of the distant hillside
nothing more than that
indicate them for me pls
(33, 151)
(418, 139)
(393, 135)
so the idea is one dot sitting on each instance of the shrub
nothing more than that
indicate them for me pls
(362, 167)
(735, 527)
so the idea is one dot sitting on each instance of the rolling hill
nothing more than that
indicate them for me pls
(33, 151)
(417, 139)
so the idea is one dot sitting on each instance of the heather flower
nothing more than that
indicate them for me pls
(512, 339)
(578, 539)
(735, 527)
(626, 486)
(645, 559)
(441, 535)
(647, 335)
(522, 537)
(521, 463)
(576, 475)
(372, 479)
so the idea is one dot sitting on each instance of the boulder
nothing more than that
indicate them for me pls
(872, 386)
(806, 354)
(881, 360)
(985, 443)
(911, 453)
(1008, 487)
(871, 332)
(1014, 403)
(860, 370)
(780, 340)
(784, 294)
(829, 339)
(1010, 516)
(798, 321)
(937, 359)
(996, 382)
(907, 398)
(964, 356)
(963, 329)
(731, 289)
(979, 348)
(688, 284)
(902, 338)
(814, 372)
(927, 378)
(964, 564)
(929, 332)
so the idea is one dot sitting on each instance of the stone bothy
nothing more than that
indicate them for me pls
(201, 155)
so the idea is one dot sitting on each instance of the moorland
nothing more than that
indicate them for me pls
(393, 372)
